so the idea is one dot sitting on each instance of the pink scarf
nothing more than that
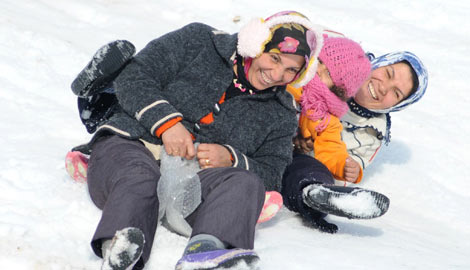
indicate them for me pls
(318, 102)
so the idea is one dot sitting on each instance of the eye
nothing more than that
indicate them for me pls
(397, 93)
(389, 73)
(275, 58)
(293, 70)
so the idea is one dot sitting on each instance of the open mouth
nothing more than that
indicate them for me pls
(372, 91)
(265, 78)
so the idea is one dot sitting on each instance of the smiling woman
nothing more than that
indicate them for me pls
(397, 81)
(232, 101)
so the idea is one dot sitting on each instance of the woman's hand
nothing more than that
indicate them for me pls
(303, 145)
(213, 156)
(178, 142)
(351, 170)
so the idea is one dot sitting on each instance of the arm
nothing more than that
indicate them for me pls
(271, 158)
(140, 87)
(328, 146)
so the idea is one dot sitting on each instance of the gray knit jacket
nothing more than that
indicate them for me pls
(184, 74)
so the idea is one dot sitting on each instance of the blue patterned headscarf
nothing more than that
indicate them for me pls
(418, 67)
(389, 59)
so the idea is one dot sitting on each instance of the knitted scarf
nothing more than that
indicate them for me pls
(318, 102)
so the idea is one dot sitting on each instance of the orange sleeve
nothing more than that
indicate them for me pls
(330, 149)
(167, 125)
(295, 92)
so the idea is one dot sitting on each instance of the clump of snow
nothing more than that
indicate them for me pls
(197, 265)
(360, 204)
(120, 245)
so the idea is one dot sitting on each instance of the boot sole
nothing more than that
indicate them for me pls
(127, 257)
(352, 203)
(106, 63)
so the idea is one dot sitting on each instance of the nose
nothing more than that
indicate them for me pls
(383, 90)
(385, 87)
(278, 74)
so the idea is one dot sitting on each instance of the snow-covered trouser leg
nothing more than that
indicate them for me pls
(304, 171)
(349, 202)
(122, 181)
(105, 65)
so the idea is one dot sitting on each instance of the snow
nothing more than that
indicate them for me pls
(47, 220)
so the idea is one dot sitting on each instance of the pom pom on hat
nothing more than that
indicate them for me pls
(347, 63)
(251, 37)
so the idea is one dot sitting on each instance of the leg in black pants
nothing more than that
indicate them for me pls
(303, 171)
(122, 182)
(232, 200)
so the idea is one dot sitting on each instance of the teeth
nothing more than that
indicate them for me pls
(265, 78)
(372, 90)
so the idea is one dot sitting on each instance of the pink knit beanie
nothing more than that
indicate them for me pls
(347, 63)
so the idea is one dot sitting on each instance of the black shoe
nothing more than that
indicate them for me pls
(105, 65)
(352, 203)
(125, 250)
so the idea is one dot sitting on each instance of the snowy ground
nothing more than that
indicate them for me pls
(47, 220)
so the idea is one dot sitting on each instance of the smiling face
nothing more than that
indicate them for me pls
(387, 86)
(272, 69)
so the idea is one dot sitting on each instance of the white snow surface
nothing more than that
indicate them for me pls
(47, 220)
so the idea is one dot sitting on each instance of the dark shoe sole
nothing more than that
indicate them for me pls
(125, 250)
(352, 203)
(105, 65)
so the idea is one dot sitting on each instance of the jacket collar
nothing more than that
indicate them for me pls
(225, 44)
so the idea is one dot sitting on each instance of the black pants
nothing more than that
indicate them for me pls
(122, 181)
(303, 171)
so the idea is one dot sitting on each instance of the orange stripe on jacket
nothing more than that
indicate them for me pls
(209, 118)
(168, 124)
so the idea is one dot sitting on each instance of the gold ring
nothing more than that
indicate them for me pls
(208, 162)
(176, 152)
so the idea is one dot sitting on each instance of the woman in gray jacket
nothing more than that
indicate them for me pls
(196, 84)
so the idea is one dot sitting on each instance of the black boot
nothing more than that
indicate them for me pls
(105, 65)
(349, 202)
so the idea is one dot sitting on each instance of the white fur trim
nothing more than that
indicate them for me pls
(251, 37)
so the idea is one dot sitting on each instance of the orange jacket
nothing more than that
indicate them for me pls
(328, 147)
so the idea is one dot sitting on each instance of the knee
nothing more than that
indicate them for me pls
(250, 184)
(307, 174)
